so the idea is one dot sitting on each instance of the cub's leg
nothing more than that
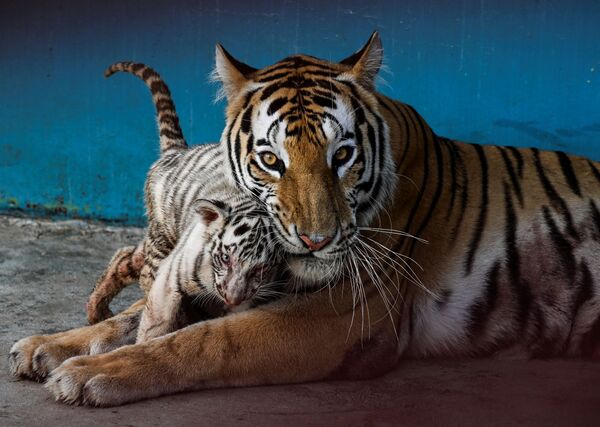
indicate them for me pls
(36, 356)
(123, 270)
(156, 248)
(163, 304)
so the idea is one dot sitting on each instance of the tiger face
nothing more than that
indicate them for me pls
(305, 137)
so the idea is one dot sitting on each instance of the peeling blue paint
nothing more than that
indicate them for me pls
(506, 72)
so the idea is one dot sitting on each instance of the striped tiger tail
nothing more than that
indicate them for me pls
(171, 135)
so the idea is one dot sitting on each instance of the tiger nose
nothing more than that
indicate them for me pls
(315, 242)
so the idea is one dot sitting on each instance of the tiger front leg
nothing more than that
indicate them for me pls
(36, 356)
(276, 344)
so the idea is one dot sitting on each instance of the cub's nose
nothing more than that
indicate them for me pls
(315, 242)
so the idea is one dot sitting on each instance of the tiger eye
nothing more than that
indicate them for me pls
(268, 158)
(342, 153)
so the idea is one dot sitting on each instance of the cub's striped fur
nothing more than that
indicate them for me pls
(347, 175)
(175, 182)
(212, 265)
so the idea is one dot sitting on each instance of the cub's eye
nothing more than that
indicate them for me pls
(342, 154)
(225, 258)
(268, 158)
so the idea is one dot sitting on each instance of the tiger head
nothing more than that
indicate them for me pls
(305, 137)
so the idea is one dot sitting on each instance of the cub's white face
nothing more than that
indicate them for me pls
(238, 258)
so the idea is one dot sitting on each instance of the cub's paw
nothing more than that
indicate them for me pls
(21, 357)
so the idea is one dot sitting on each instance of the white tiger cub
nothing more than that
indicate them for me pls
(221, 256)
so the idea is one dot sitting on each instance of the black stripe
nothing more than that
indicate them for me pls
(383, 103)
(405, 124)
(276, 104)
(324, 102)
(237, 150)
(382, 154)
(451, 151)
(481, 220)
(171, 133)
(464, 190)
(250, 143)
(269, 90)
(320, 73)
(561, 244)
(518, 157)
(557, 201)
(158, 86)
(594, 170)
(136, 67)
(585, 288)
(510, 236)
(181, 178)
(567, 170)
(513, 260)
(289, 66)
(246, 121)
(272, 77)
(329, 84)
(368, 186)
(421, 190)
(438, 190)
(516, 185)
(481, 309)
(596, 218)
(164, 105)
(149, 72)
(248, 98)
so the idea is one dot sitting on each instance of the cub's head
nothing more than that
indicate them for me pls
(306, 138)
(238, 252)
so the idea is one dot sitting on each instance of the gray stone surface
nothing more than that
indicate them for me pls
(47, 270)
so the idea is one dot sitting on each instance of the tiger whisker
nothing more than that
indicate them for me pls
(412, 275)
(394, 232)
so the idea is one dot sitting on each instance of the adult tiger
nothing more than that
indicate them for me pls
(509, 265)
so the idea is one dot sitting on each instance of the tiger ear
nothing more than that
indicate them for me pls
(210, 210)
(366, 62)
(232, 73)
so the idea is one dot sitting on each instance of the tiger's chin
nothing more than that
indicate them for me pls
(312, 271)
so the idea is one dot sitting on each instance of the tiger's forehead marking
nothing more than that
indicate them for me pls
(296, 114)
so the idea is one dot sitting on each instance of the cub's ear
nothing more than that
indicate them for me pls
(232, 74)
(210, 210)
(366, 62)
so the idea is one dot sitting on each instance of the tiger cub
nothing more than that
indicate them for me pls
(181, 176)
(216, 260)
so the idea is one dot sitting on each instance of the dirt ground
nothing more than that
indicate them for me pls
(47, 270)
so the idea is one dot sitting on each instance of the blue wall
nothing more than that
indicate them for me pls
(525, 73)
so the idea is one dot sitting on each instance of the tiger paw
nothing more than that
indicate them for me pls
(48, 357)
(21, 357)
(91, 381)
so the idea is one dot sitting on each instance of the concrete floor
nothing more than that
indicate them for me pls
(47, 270)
